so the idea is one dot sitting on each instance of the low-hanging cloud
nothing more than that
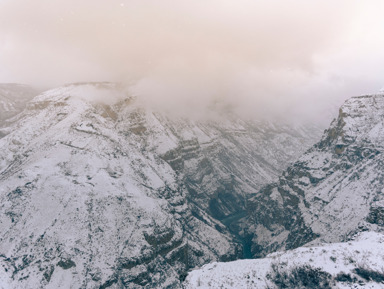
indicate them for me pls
(281, 57)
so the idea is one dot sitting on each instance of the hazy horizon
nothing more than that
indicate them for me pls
(299, 58)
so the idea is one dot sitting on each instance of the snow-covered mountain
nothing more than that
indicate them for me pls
(13, 99)
(332, 191)
(355, 264)
(97, 191)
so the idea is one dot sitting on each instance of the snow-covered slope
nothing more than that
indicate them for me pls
(97, 191)
(355, 264)
(332, 191)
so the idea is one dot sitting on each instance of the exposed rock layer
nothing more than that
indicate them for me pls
(99, 192)
(332, 191)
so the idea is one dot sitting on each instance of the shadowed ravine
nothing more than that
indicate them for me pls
(246, 242)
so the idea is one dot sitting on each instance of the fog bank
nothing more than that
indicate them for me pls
(282, 58)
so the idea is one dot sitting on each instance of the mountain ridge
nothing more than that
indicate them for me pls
(331, 190)
(111, 194)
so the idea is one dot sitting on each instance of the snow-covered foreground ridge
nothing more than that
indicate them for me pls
(354, 264)
(99, 192)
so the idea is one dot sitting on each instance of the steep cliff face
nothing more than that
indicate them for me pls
(333, 190)
(97, 191)
(222, 162)
(87, 202)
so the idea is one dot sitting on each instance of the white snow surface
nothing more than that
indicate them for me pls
(366, 251)
(336, 186)
(349, 178)
(87, 198)
(74, 187)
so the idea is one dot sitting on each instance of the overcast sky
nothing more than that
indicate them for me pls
(267, 57)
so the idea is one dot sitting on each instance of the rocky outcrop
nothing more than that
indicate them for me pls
(332, 191)
(97, 191)
(87, 202)
(221, 162)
